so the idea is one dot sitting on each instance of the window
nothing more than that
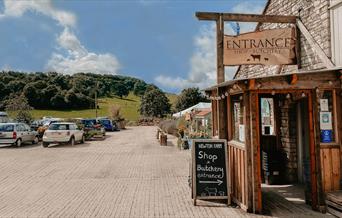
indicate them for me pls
(267, 116)
(22, 128)
(72, 127)
(327, 117)
(336, 28)
(238, 119)
(6, 128)
(59, 127)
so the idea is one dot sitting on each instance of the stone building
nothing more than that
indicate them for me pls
(283, 123)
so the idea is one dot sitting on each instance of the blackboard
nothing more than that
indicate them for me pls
(209, 169)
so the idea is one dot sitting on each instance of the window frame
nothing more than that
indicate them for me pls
(335, 140)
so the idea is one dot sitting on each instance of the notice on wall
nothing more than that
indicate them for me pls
(209, 169)
(267, 47)
(324, 103)
(325, 121)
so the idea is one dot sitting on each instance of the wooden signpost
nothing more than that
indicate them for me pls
(209, 170)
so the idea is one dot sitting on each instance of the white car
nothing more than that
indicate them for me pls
(3, 117)
(58, 133)
(17, 134)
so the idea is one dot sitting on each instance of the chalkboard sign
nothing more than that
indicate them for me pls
(209, 169)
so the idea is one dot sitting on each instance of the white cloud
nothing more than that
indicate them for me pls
(15, 8)
(203, 61)
(78, 58)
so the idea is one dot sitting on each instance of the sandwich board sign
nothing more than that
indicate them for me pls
(209, 169)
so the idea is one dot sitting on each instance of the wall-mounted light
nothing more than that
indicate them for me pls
(288, 96)
(303, 95)
(273, 92)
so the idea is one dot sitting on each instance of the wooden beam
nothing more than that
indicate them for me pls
(249, 153)
(317, 49)
(246, 17)
(251, 84)
(219, 44)
(222, 116)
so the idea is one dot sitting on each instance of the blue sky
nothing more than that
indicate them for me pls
(159, 41)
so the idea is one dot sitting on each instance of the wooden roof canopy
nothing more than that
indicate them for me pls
(246, 17)
(302, 80)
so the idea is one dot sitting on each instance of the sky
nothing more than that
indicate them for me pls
(159, 41)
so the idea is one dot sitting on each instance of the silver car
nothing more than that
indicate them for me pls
(17, 134)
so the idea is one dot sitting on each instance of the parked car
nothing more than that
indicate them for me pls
(59, 133)
(92, 128)
(45, 125)
(17, 134)
(4, 117)
(36, 124)
(109, 125)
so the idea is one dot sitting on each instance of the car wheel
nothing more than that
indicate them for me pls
(18, 143)
(45, 144)
(83, 139)
(35, 141)
(72, 141)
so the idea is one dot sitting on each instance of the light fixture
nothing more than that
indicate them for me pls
(273, 92)
(303, 95)
(222, 96)
(240, 97)
(288, 96)
(226, 94)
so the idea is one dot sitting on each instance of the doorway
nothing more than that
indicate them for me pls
(285, 153)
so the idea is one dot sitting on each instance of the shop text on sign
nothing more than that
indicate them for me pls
(267, 47)
(209, 169)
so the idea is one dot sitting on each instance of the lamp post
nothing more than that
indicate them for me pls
(96, 88)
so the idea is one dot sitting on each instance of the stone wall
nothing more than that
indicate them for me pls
(315, 16)
(288, 138)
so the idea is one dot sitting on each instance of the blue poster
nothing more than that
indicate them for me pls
(326, 136)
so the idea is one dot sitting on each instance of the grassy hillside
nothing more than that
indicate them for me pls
(129, 108)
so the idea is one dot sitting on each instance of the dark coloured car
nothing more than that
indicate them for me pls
(92, 128)
(108, 125)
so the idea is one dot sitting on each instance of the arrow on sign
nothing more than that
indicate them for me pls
(219, 182)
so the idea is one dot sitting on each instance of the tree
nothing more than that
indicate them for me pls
(188, 98)
(19, 105)
(58, 101)
(139, 88)
(120, 90)
(154, 103)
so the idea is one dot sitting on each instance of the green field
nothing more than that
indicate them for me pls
(129, 109)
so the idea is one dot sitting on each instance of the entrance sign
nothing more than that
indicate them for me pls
(209, 169)
(267, 47)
